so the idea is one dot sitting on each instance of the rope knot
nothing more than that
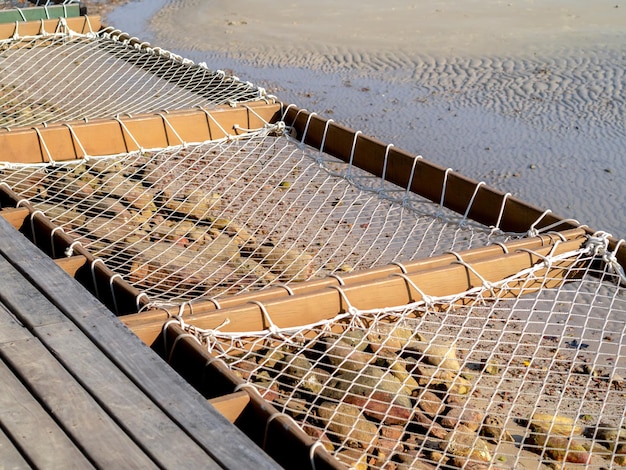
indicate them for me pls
(598, 245)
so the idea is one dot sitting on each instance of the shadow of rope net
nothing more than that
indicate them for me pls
(222, 217)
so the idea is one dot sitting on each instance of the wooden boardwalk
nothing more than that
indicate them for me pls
(80, 390)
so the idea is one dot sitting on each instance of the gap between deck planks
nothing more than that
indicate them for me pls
(29, 430)
(227, 445)
(74, 365)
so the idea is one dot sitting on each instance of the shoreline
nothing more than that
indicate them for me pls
(549, 128)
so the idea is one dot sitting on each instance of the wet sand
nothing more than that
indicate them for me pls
(527, 96)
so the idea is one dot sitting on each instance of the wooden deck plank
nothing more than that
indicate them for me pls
(220, 439)
(29, 427)
(11, 457)
(146, 424)
(77, 413)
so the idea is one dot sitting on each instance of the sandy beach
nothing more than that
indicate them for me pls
(527, 96)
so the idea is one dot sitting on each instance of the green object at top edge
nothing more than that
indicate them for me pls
(39, 13)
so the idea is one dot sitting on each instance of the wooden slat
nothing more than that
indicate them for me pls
(11, 457)
(222, 441)
(15, 215)
(146, 425)
(22, 417)
(381, 293)
(232, 405)
(72, 264)
(81, 24)
(76, 411)
(147, 324)
(109, 136)
(78, 414)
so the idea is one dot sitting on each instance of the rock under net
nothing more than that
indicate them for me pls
(63, 76)
(527, 372)
(221, 217)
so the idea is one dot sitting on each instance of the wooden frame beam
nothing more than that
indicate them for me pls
(326, 302)
(101, 137)
(79, 24)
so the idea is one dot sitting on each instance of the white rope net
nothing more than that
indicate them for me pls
(221, 217)
(63, 76)
(525, 373)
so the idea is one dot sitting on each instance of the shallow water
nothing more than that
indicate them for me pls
(528, 98)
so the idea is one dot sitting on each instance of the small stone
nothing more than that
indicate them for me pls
(438, 353)
(617, 381)
(389, 337)
(348, 424)
(494, 429)
(620, 454)
(297, 366)
(344, 356)
(246, 368)
(295, 407)
(462, 443)
(608, 435)
(559, 448)
(490, 367)
(319, 435)
(429, 403)
(382, 407)
(272, 357)
(355, 459)
(398, 370)
(471, 419)
(312, 383)
(389, 440)
(555, 424)
(355, 339)
(459, 385)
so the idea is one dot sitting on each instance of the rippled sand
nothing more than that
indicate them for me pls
(527, 96)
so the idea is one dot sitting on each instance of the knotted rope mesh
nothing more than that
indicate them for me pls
(63, 76)
(238, 214)
(524, 372)
(527, 372)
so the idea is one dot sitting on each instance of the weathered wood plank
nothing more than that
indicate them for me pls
(76, 412)
(11, 457)
(220, 439)
(146, 424)
(27, 424)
